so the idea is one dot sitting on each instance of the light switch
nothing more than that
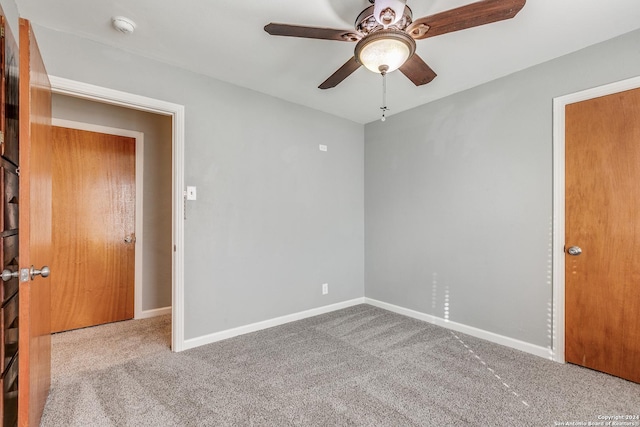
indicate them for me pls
(191, 193)
(323, 147)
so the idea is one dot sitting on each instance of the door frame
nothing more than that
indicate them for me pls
(90, 92)
(558, 292)
(139, 177)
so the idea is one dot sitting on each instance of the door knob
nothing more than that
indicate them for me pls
(574, 250)
(8, 275)
(130, 239)
(44, 272)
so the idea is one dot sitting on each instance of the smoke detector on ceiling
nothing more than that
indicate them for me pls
(124, 25)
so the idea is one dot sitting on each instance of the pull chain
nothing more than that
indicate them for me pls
(384, 93)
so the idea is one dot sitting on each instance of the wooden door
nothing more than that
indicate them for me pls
(93, 217)
(34, 376)
(9, 231)
(602, 287)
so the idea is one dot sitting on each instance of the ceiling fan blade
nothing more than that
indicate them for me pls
(312, 32)
(418, 71)
(461, 18)
(343, 72)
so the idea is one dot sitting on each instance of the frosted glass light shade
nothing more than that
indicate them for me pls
(386, 48)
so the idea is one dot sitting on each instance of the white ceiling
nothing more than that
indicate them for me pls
(225, 39)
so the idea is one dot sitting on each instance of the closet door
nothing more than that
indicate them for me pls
(35, 231)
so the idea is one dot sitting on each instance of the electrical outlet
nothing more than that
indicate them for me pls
(325, 288)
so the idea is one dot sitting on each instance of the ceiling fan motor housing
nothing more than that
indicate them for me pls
(366, 23)
(388, 12)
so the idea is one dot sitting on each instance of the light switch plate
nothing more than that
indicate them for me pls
(191, 193)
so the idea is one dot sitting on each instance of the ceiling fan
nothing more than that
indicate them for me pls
(385, 34)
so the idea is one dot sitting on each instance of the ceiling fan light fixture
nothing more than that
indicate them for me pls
(385, 50)
(385, 45)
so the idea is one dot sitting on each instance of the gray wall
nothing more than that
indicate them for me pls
(275, 217)
(156, 209)
(459, 196)
(458, 192)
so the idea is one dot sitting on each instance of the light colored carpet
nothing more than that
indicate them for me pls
(357, 366)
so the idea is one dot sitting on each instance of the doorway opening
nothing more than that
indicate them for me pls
(176, 113)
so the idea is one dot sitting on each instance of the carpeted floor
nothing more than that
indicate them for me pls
(357, 366)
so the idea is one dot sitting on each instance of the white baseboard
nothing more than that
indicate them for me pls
(146, 314)
(469, 330)
(230, 333)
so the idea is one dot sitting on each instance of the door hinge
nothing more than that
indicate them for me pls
(1, 137)
(2, 31)
(18, 171)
